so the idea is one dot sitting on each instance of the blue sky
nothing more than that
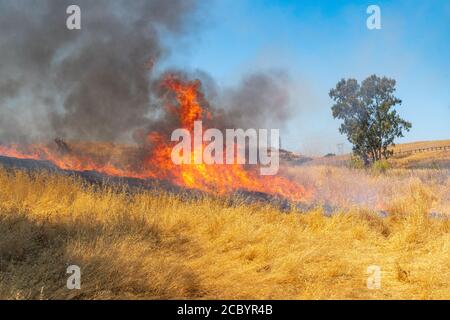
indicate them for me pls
(320, 42)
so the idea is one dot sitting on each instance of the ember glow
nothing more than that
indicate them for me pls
(156, 162)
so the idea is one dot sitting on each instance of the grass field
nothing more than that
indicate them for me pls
(421, 145)
(427, 159)
(150, 245)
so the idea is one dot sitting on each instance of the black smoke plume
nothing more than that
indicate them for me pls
(98, 83)
(91, 83)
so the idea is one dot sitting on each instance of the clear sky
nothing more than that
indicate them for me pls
(320, 42)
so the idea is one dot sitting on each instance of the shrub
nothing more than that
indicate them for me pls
(381, 166)
(356, 162)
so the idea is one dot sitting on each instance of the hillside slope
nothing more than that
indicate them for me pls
(422, 154)
(407, 155)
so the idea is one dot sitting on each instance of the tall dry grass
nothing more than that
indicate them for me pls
(156, 245)
(372, 189)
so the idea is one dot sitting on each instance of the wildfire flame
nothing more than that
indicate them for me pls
(157, 163)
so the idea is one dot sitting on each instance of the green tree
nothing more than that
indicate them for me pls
(370, 120)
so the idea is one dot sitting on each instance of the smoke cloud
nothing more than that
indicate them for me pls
(89, 83)
(98, 83)
(261, 100)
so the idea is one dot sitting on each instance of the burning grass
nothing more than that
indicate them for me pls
(153, 158)
(155, 245)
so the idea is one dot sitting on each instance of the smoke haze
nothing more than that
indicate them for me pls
(97, 83)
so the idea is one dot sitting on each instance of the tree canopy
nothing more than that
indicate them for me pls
(368, 115)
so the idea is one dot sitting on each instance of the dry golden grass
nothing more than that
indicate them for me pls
(428, 159)
(150, 245)
(425, 159)
(371, 189)
(434, 159)
(421, 145)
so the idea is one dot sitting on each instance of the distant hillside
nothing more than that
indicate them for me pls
(292, 158)
(421, 154)
(421, 145)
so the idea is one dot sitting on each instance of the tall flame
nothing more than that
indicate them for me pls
(157, 163)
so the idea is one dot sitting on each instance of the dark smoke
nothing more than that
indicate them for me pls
(261, 100)
(90, 83)
(97, 83)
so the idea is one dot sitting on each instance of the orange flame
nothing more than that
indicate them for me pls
(219, 179)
